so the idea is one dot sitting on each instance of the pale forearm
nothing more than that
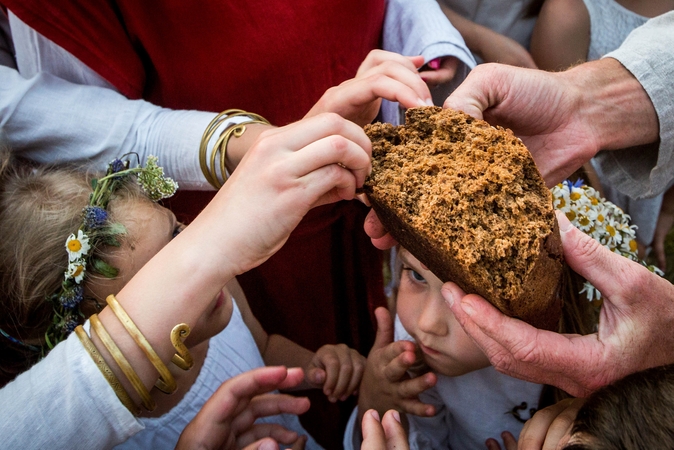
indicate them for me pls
(176, 286)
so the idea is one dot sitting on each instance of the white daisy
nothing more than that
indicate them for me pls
(76, 270)
(77, 246)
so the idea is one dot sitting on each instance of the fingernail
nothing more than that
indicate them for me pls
(429, 102)
(421, 102)
(434, 63)
(467, 308)
(268, 445)
(449, 297)
(396, 416)
(374, 414)
(563, 221)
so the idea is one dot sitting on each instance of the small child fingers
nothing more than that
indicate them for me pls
(356, 377)
(396, 369)
(417, 408)
(377, 57)
(331, 364)
(264, 430)
(415, 386)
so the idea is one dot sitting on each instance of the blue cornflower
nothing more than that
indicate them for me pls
(72, 297)
(117, 165)
(69, 325)
(578, 183)
(94, 217)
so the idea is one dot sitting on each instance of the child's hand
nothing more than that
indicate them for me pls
(338, 369)
(550, 427)
(509, 442)
(442, 71)
(227, 419)
(382, 75)
(386, 384)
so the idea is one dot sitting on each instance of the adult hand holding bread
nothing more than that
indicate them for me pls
(632, 335)
(563, 118)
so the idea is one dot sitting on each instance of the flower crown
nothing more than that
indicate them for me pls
(602, 220)
(97, 230)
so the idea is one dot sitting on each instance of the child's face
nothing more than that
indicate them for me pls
(150, 227)
(446, 348)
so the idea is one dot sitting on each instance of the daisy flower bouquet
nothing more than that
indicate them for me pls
(602, 220)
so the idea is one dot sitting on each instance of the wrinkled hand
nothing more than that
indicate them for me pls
(444, 73)
(382, 75)
(550, 428)
(387, 435)
(386, 383)
(226, 421)
(287, 171)
(541, 108)
(338, 369)
(634, 331)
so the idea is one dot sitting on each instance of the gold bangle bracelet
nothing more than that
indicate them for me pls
(108, 374)
(122, 362)
(183, 357)
(221, 144)
(166, 383)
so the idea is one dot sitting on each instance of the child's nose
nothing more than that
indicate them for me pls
(433, 317)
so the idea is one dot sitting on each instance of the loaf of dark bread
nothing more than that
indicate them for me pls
(467, 200)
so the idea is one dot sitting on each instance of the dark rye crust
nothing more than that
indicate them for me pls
(467, 200)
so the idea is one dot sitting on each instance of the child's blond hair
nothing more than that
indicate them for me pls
(39, 208)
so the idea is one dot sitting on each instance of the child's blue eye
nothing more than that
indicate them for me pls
(417, 276)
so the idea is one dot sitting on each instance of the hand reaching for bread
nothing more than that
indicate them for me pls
(386, 383)
(382, 75)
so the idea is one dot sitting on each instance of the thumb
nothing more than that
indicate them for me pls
(316, 376)
(594, 262)
(263, 444)
(384, 328)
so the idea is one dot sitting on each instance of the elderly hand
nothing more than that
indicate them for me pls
(563, 118)
(635, 329)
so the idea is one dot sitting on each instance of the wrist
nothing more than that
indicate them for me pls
(614, 104)
(237, 148)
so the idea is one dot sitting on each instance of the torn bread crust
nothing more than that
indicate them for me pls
(467, 200)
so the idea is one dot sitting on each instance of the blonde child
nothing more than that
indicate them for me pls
(111, 230)
(572, 32)
(227, 339)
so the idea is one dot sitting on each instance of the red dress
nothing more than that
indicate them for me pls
(274, 58)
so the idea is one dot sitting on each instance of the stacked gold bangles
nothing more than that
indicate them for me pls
(220, 146)
(166, 382)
